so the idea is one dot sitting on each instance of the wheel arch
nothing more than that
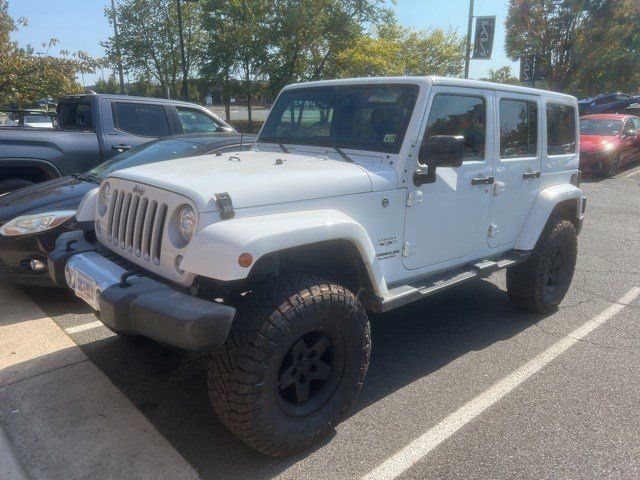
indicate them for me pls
(35, 170)
(562, 201)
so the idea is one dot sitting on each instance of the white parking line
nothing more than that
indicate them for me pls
(397, 464)
(83, 327)
(633, 173)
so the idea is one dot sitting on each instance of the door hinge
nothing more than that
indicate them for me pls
(414, 196)
(409, 248)
(493, 230)
(498, 188)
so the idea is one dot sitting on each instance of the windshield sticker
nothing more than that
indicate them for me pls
(390, 138)
(384, 96)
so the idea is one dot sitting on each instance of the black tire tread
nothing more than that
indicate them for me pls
(525, 281)
(236, 370)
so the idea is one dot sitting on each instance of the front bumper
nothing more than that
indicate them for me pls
(141, 305)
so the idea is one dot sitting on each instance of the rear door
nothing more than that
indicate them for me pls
(517, 172)
(133, 123)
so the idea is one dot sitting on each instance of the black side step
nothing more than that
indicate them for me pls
(424, 287)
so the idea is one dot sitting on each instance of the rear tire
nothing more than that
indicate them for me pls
(541, 283)
(11, 184)
(292, 366)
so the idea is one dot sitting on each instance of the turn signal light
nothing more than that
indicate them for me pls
(245, 260)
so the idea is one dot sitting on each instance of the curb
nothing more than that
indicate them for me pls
(9, 466)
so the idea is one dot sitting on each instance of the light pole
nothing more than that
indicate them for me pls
(116, 39)
(185, 73)
(467, 58)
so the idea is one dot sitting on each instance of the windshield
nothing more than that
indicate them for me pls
(361, 117)
(600, 127)
(156, 151)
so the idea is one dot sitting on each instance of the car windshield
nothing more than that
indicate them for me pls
(156, 151)
(590, 126)
(362, 117)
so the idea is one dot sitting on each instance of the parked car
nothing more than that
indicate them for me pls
(359, 195)
(608, 141)
(28, 118)
(91, 129)
(629, 106)
(599, 102)
(33, 217)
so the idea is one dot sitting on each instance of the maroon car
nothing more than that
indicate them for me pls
(608, 141)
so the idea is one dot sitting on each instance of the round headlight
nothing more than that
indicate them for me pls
(105, 194)
(186, 223)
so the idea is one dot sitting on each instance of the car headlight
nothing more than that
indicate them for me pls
(37, 223)
(186, 223)
(105, 193)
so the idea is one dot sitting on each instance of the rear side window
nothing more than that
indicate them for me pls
(561, 129)
(145, 120)
(459, 115)
(518, 128)
(75, 116)
(193, 121)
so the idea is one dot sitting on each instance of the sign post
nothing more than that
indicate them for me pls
(531, 69)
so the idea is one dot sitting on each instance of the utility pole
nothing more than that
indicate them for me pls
(185, 87)
(116, 38)
(467, 57)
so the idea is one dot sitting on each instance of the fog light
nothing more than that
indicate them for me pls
(37, 265)
(69, 276)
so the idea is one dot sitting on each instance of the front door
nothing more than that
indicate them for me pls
(518, 167)
(448, 219)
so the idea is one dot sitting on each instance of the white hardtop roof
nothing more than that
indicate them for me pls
(429, 81)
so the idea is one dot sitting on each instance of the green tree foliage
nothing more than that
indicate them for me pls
(27, 77)
(502, 75)
(149, 40)
(396, 50)
(587, 46)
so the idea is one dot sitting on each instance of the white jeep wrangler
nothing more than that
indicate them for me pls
(359, 195)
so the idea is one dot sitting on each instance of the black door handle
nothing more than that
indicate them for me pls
(121, 148)
(482, 181)
(529, 175)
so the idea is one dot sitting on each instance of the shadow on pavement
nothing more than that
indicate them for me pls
(168, 386)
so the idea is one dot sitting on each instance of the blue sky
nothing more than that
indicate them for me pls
(81, 25)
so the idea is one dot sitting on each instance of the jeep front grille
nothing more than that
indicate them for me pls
(136, 223)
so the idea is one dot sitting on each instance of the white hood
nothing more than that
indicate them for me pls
(252, 178)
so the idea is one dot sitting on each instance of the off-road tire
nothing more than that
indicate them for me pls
(11, 184)
(245, 374)
(528, 284)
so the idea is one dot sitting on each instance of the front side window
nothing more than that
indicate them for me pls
(362, 117)
(460, 115)
(518, 128)
(561, 129)
(193, 121)
(143, 119)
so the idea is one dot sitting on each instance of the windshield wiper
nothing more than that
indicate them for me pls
(329, 143)
(86, 177)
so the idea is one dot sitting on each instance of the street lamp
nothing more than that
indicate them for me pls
(185, 87)
(467, 58)
(116, 40)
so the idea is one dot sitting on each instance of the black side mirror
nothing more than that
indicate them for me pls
(439, 151)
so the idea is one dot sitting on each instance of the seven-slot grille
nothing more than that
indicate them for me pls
(135, 223)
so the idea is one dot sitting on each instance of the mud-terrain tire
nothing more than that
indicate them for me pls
(11, 184)
(300, 336)
(540, 284)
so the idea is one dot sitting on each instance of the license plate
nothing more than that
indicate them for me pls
(85, 289)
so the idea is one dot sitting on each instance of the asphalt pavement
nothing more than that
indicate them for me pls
(461, 386)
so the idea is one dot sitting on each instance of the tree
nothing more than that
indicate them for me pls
(111, 85)
(27, 77)
(502, 75)
(149, 40)
(396, 50)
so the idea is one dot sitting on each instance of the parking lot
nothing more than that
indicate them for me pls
(461, 385)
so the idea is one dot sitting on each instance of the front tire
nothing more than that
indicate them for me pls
(541, 283)
(292, 366)
(612, 167)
